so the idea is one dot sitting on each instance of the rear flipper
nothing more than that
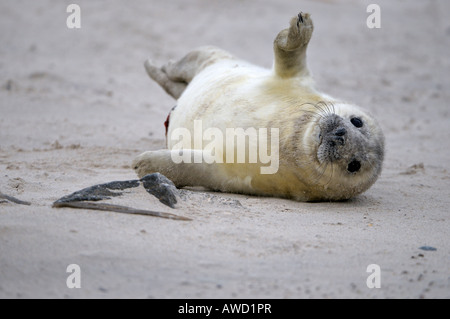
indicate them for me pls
(175, 76)
(173, 88)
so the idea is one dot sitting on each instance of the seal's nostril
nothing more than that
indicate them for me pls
(340, 132)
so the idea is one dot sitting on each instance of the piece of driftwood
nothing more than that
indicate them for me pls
(156, 184)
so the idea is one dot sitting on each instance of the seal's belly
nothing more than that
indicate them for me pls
(226, 95)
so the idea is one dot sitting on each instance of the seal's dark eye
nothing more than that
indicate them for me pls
(354, 166)
(356, 121)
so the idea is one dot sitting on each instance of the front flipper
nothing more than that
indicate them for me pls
(290, 47)
(187, 173)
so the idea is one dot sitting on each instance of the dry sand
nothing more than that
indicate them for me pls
(76, 107)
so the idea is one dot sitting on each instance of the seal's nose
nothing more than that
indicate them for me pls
(339, 134)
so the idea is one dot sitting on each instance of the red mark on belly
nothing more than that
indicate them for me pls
(166, 123)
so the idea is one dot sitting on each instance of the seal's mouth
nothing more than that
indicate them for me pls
(331, 142)
(334, 144)
(331, 152)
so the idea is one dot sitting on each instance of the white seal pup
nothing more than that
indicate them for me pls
(324, 148)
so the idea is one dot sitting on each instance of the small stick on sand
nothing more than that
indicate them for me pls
(118, 209)
(14, 200)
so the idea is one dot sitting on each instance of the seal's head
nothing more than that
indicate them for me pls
(349, 150)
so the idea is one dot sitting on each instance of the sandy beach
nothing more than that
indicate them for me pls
(76, 107)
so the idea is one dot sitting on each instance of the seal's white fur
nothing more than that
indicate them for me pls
(225, 92)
